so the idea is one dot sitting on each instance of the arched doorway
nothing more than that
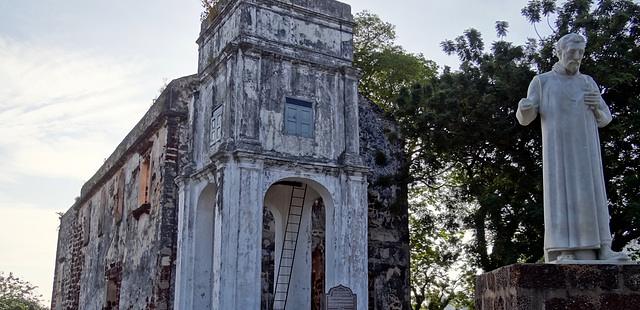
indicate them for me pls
(294, 217)
(203, 256)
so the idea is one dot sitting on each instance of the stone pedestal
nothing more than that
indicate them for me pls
(561, 287)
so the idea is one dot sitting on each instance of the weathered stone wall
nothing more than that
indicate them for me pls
(382, 150)
(111, 236)
(116, 245)
(119, 250)
(559, 287)
(321, 32)
(255, 55)
(69, 263)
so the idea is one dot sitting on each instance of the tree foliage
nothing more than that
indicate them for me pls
(211, 8)
(385, 66)
(463, 136)
(17, 294)
(440, 273)
(386, 69)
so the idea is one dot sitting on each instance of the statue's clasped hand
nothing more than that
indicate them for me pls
(592, 100)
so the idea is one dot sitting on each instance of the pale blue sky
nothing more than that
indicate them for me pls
(77, 75)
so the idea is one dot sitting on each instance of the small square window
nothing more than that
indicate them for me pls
(298, 115)
(216, 126)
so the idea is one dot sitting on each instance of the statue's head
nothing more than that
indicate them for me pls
(570, 50)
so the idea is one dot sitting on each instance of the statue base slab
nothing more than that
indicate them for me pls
(593, 262)
(559, 286)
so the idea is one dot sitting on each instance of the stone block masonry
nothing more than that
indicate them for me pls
(559, 287)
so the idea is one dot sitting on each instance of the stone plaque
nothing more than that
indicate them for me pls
(341, 298)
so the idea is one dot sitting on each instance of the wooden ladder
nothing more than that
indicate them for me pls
(289, 245)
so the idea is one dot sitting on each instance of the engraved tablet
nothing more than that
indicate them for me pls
(341, 298)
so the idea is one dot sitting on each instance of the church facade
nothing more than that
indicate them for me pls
(261, 182)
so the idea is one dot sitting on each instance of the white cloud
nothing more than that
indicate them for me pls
(28, 239)
(62, 112)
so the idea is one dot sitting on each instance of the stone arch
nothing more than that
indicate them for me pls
(203, 250)
(308, 276)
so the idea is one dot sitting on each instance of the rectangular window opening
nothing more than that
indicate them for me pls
(298, 119)
(216, 126)
(143, 192)
(119, 197)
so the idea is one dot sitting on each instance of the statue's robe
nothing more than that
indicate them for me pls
(576, 215)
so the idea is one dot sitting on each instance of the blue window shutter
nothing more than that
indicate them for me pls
(298, 118)
(304, 122)
(291, 121)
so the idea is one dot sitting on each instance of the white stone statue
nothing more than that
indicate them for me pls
(576, 216)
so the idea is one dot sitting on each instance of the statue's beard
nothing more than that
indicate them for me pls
(572, 67)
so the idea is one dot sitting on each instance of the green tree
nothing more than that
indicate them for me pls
(440, 273)
(17, 294)
(385, 66)
(386, 69)
(463, 136)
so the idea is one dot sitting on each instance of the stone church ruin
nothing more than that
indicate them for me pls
(261, 182)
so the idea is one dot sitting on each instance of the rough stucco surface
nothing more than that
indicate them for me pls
(382, 150)
(114, 251)
(559, 287)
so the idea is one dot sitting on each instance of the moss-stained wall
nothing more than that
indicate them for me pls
(101, 237)
(381, 148)
(116, 245)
